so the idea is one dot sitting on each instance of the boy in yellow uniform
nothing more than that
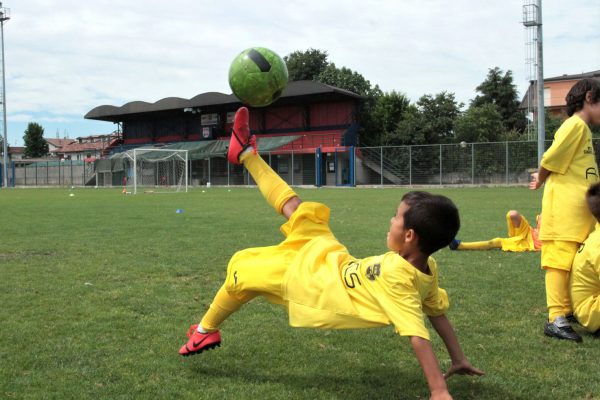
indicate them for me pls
(521, 237)
(567, 168)
(585, 274)
(322, 286)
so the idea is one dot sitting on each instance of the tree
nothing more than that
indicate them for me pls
(480, 124)
(345, 78)
(409, 129)
(305, 65)
(385, 114)
(438, 115)
(498, 89)
(35, 144)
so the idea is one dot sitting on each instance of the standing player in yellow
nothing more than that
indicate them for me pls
(568, 168)
(585, 275)
(322, 286)
(521, 237)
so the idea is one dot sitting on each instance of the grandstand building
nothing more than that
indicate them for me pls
(305, 134)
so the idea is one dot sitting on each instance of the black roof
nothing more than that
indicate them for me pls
(293, 89)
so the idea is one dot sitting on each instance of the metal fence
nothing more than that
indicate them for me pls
(499, 163)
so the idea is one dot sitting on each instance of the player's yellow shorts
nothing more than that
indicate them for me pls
(261, 270)
(558, 254)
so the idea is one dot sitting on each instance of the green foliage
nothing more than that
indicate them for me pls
(479, 124)
(385, 114)
(551, 124)
(35, 144)
(498, 89)
(409, 129)
(390, 118)
(345, 78)
(102, 315)
(438, 115)
(306, 65)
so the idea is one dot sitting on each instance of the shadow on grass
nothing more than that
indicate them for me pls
(374, 383)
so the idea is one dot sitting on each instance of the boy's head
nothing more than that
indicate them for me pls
(577, 95)
(593, 200)
(434, 219)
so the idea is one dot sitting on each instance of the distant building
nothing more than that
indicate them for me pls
(54, 144)
(15, 153)
(84, 148)
(555, 91)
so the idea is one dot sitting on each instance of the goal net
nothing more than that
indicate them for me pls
(156, 170)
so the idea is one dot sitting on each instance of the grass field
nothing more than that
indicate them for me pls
(98, 289)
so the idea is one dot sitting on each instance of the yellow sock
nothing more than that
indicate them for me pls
(273, 188)
(224, 304)
(485, 245)
(557, 293)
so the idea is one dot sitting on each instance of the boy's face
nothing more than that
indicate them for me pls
(396, 236)
(594, 111)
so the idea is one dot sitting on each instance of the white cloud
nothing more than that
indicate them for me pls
(65, 58)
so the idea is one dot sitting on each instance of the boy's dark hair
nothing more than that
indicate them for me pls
(434, 218)
(576, 96)
(593, 199)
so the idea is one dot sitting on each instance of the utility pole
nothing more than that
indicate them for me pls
(4, 16)
(532, 18)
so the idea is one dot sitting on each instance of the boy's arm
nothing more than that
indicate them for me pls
(431, 368)
(460, 364)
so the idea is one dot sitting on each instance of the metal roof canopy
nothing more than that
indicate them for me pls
(200, 150)
(294, 90)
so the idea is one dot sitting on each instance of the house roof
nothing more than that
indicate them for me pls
(59, 142)
(566, 77)
(76, 147)
(293, 89)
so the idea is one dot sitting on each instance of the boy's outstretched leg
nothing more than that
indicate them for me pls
(206, 335)
(242, 150)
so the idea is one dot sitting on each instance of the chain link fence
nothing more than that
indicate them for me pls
(499, 163)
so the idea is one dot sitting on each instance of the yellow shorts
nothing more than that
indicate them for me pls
(558, 254)
(262, 270)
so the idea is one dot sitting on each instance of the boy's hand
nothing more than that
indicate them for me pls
(440, 396)
(535, 183)
(463, 368)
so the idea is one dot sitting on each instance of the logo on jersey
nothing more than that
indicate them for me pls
(373, 271)
(590, 171)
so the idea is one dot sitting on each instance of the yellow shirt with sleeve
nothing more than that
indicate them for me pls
(327, 288)
(585, 282)
(573, 165)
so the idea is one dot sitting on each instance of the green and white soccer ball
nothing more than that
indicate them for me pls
(257, 76)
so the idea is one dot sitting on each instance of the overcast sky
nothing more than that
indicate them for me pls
(65, 57)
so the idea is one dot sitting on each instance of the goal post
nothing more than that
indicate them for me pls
(156, 170)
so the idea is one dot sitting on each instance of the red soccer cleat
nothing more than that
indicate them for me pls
(199, 342)
(191, 330)
(241, 138)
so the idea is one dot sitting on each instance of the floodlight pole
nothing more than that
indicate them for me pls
(4, 16)
(540, 85)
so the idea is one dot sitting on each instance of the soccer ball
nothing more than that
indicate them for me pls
(257, 76)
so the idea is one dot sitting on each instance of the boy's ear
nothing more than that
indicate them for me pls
(411, 236)
(588, 96)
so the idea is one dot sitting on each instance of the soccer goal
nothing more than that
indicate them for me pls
(157, 170)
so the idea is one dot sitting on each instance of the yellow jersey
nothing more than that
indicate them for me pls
(325, 287)
(573, 165)
(585, 281)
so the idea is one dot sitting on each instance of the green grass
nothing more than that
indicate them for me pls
(97, 291)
